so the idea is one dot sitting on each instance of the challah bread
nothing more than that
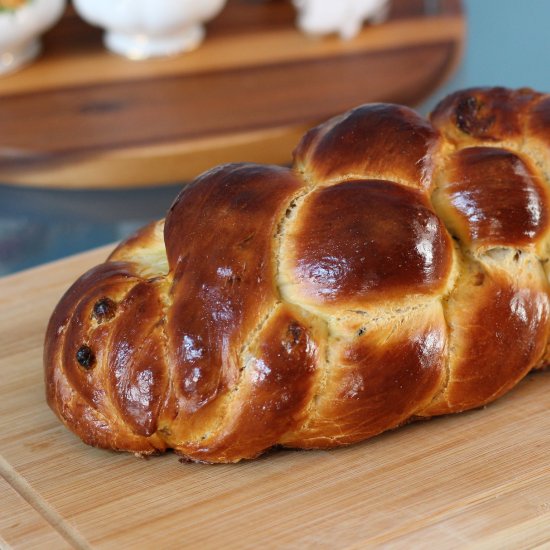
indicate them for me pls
(398, 271)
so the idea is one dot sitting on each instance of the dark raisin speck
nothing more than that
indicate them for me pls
(474, 118)
(466, 113)
(104, 309)
(85, 357)
(295, 333)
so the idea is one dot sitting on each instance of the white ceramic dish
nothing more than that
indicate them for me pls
(20, 30)
(140, 29)
(345, 17)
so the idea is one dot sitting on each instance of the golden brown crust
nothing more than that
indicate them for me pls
(223, 274)
(485, 114)
(359, 144)
(357, 243)
(384, 372)
(399, 271)
(490, 197)
(275, 388)
(78, 384)
(499, 319)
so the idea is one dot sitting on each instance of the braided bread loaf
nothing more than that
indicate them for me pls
(399, 271)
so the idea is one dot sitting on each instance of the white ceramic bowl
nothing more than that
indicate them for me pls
(20, 31)
(140, 29)
(345, 17)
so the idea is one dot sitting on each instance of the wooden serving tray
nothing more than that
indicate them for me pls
(479, 478)
(82, 117)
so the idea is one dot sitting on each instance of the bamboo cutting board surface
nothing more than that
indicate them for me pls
(22, 526)
(482, 477)
(82, 117)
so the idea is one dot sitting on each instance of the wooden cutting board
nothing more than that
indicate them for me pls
(482, 477)
(82, 117)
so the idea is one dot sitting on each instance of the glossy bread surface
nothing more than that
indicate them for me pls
(362, 242)
(359, 143)
(491, 197)
(399, 270)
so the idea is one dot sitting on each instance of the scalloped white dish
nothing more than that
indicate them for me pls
(140, 29)
(21, 28)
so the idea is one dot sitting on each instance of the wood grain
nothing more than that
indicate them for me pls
(479, 478)
(21, 526)
(81, 117)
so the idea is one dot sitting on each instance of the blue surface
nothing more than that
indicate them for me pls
(508, 44)
(37, 226)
